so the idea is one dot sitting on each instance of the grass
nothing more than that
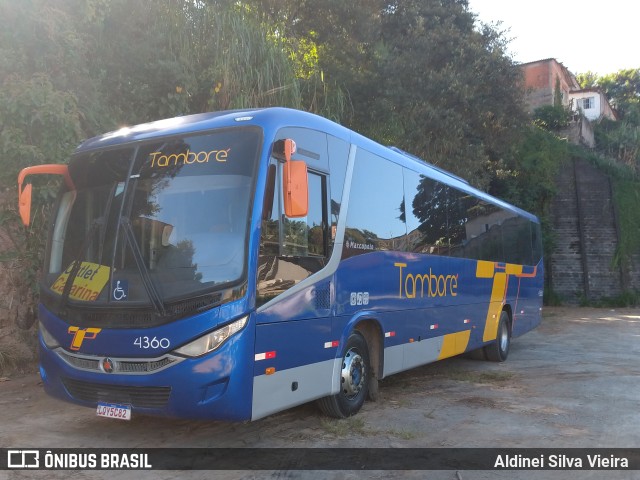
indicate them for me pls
(626, 195)
(7, 361)
(344, 427)
(356, 426)
(476, 377)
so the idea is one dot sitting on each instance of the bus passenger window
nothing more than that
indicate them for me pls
(375, 219)
(425, 211)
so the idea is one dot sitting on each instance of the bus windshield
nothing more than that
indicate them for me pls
(156, 222)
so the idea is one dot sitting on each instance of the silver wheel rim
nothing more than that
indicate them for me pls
(504, 338)
(353, 374)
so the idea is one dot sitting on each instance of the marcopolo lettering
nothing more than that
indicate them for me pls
(158, 159)
(426, 284)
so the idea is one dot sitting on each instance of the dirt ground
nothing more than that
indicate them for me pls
(573, 382)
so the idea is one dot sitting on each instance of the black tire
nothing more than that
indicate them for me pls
(354, 380)
(499, 350)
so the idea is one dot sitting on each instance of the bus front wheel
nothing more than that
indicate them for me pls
(499, 350)
(354, 380)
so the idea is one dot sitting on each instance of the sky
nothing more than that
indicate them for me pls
(585, 35)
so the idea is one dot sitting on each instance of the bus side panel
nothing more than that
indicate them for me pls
(433, 307)
(417, 302)
(294, 363)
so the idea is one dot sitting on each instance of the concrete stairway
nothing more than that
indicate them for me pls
(586, 236)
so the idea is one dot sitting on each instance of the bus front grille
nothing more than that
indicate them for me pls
(143, 397)
(125, 366)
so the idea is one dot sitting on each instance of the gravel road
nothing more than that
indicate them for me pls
(573, 382)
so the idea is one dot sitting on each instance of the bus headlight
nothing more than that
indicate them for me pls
(49, 341)
(209, 342)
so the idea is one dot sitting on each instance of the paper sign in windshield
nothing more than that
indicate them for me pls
(87, 285)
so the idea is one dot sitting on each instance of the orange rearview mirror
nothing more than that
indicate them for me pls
(296, 189)
(296, 183)
(24, 194)
(24, 205)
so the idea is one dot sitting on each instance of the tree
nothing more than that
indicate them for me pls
(453, 96)
(71, 69)
(621, 88)
(161, 59)
(619, 139)
(419, 74)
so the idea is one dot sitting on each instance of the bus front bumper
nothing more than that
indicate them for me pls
(215, 386)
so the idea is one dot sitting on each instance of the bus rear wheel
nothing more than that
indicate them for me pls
(354, 380)
(499, 350)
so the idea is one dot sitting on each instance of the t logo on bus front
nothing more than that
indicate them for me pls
(81, 334)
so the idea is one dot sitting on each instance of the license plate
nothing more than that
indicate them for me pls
(113, 410)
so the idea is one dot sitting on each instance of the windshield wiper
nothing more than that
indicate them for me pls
(147, 281)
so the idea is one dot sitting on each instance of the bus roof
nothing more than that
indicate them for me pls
(272, 119)
(206, 121)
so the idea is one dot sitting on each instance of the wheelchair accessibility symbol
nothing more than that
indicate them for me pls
(121, 290)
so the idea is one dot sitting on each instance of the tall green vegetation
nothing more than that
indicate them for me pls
(71, 69)
(626, 193)
(528, 178)
(190, 57)
(419, 74)
(622, 89)
(618, 145)
(619, 140)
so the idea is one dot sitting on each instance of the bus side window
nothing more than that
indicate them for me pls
(375, 219)
(425, 210)
(338, 157)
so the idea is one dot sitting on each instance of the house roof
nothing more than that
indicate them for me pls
(540, 61)
(570, 78)
(588, 89)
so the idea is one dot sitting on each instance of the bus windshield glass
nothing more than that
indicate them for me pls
(155, 222)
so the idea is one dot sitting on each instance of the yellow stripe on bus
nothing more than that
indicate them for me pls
(454, 344)
(513, 269)
(485, 269)
(495, 306)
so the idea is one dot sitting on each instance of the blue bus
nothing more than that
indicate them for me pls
(230, 265)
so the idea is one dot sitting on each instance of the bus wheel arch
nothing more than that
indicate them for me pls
(360, 369)
(372, 332)
(354, 379)
(498, 351)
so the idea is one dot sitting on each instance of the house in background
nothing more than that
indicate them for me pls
(593, 104)
(549, 81)
(544, 79)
